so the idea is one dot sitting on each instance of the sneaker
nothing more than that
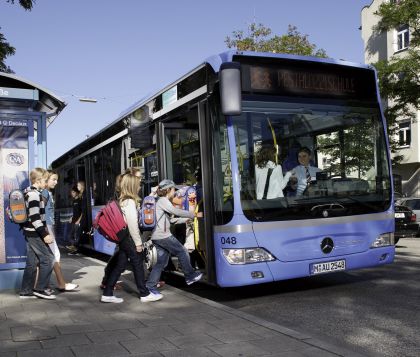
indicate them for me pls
(44, 294)
(68, 287)
(27, 296)
(155, 291)
(151, 297)
(160, 284)
(71, 247)
(196, 278)
(113, 299)
(50, 291)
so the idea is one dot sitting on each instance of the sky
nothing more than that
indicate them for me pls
(120, 51)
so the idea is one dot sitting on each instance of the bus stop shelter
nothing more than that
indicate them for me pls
(26, 110)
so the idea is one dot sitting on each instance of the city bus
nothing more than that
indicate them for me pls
(207, 129)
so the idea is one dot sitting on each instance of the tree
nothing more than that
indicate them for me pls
(258, 40)
(6, 50)
(399, 77)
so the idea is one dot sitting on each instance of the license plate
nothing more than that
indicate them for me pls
(328, 267)
(399, 215)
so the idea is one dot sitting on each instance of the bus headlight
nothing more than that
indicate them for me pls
(383, 240)
(247, 255)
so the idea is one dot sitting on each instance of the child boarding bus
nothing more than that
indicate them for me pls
(288, 154)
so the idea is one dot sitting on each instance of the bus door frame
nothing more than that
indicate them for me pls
(204, 127)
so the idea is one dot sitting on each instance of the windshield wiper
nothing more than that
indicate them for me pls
(328, 210)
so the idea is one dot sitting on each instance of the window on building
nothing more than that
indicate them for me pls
(404, 132)
(403, 37)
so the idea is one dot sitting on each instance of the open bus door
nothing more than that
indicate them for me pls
(182, 161)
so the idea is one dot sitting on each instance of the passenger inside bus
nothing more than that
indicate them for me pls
(269, 179)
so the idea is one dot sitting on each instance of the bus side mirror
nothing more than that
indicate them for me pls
(230, 88)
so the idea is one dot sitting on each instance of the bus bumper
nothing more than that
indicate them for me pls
(250, 274)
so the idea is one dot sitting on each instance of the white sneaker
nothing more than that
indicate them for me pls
(113, 299)
(196, 278)
(69, 287)
(151, 297)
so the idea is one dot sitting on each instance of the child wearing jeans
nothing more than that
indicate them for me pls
(37, 240)
(166, 244)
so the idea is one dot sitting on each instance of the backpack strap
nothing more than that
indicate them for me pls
(267, 183)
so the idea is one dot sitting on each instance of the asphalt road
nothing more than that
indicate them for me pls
(370, 311)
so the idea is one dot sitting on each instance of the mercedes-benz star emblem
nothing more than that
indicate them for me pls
(327, 245)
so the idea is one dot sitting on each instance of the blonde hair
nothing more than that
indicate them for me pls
(133, 170)
(37, 173)
(129, 188)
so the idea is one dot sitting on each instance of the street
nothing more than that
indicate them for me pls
(371, 311)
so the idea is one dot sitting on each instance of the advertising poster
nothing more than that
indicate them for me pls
(14, 167)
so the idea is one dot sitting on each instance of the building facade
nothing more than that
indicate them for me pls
(383, 46)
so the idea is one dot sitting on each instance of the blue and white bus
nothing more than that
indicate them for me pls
(211, 124)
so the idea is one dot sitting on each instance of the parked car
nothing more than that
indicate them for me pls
(413, 203)
(405, 223)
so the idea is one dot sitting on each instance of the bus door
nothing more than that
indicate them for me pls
(86, 221)
(181, 162)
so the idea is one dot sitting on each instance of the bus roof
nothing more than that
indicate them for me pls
(215, 62)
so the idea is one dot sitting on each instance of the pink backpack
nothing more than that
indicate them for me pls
(110, 222)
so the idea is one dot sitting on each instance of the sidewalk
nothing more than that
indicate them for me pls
(181, 324)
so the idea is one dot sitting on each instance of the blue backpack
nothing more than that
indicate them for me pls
(185, 198)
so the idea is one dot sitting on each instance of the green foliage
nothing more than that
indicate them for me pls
(259, 40)
(399, 77)
(350, 150)
(6, 50)
(26, 4)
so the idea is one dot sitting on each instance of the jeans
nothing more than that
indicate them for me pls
(110, 266)
(37, 252)
(165, 247)
(75, 234)
(127, 250)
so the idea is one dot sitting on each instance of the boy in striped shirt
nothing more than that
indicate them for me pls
(37, 239)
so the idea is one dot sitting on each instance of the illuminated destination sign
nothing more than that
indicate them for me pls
(308, 79)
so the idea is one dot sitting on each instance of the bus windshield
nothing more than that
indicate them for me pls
(311, 160)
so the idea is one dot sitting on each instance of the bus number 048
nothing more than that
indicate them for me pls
(228, 240)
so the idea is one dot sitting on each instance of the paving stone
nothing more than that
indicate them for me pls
(62, 352)
(33, 333)
(242, 349)
(75, 328)
(111, 336)
(9, 345)
(193, 340)
(10, 354)
(234, 336)
(263, 332)
(120, 324)
(146, 354)
(149, 345)
(190, 352)
(194, 327)
(5, 333)
(232, 324)
(158, 321)
(66, 340)
(155, 332)
(196, 317)
(99, 350)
